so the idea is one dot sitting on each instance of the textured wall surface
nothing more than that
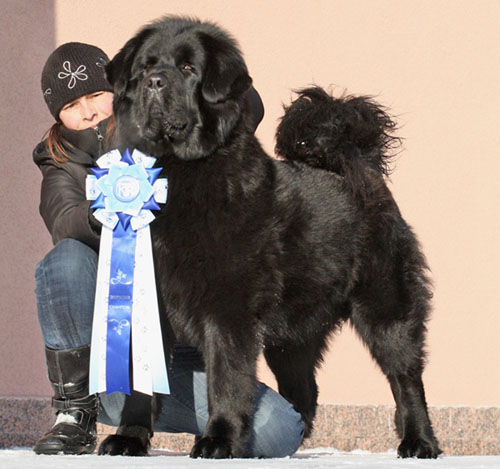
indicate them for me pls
(460, 430)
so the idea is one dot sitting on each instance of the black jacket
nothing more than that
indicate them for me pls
(63, 202)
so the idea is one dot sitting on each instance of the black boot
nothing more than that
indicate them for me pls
(74, 431)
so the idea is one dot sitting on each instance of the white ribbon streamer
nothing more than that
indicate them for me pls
(97, 377)
(148, 353)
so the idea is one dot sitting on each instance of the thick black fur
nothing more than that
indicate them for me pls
(257, 254)
(349, 136)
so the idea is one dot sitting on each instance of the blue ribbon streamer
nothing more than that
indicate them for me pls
(120, 309)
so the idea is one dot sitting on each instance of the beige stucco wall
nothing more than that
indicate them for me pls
(436, 64)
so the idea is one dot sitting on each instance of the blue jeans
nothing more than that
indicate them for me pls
(65, 289)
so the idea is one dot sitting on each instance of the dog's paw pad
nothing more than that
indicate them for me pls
(119, 445)
(211, 448)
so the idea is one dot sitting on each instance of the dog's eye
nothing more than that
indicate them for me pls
(150, 62)
(187, 68)
(301, 143)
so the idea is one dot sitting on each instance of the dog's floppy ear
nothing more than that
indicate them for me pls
(118, 69)
(226, 75)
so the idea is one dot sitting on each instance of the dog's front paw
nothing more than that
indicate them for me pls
(211, 448)
(120, 445)
(418, 448)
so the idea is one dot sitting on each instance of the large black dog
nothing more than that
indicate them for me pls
(257, 254)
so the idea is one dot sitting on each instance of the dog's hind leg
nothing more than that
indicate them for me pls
(294, 368)
(396, 343)
(412, 418)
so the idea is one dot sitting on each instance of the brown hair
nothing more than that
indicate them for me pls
(56, 143)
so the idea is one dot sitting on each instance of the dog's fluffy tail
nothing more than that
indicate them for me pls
(351, 136)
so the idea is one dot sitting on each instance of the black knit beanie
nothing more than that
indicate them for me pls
(71, 71)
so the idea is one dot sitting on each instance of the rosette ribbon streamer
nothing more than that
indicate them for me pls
(125, 189)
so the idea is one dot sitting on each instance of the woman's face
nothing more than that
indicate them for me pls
(87, 111)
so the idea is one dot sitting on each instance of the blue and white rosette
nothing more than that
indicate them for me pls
(125, 190)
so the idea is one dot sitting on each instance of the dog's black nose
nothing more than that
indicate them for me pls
(156, 81)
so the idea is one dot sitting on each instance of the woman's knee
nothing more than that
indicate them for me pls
(65, 290)
(68, 261)
(278, 428)
(69, 252)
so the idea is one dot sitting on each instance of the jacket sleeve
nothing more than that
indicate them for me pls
(65, 210)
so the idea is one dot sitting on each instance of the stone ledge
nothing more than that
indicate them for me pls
(460, 430)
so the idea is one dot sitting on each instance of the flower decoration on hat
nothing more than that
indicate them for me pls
(77, 74)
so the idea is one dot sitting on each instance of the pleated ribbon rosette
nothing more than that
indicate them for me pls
(125, 188)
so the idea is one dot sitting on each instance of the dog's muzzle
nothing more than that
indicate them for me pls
(165, 110)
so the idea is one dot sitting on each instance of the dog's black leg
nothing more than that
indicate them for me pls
(397, 346)
(230, 363)
(136, 428)
(412, 419)
(294, 369)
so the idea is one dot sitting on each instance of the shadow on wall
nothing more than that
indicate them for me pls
(28, 37)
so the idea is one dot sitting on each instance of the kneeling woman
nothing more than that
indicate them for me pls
(80, 99)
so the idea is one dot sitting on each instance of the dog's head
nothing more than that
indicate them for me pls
(178, 88)
(336, 134)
